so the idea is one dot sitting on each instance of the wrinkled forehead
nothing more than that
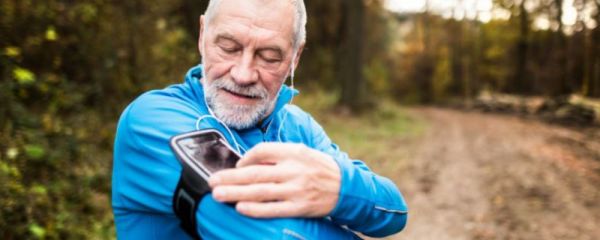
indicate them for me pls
(269, 17)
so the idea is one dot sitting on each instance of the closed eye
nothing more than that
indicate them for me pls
(229, 49)
(270, 55)
(270, 60)
(228, 44)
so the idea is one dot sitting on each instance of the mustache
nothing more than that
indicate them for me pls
(253, 91)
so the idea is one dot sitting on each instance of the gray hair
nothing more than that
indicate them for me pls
(299, 23)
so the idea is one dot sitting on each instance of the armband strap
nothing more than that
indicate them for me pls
(188, 194)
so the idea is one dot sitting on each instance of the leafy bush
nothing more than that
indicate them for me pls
(67, 69)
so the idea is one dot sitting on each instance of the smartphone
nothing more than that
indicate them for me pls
(205, 151)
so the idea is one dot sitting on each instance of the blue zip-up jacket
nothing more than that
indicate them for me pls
(146, 172)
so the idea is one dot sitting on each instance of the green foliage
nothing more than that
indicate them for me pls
(37, 231)
(23, 76)
(67, 69)
(34, 152)
(442, 77)
(496, 62)
(438, 58)
(323, 54)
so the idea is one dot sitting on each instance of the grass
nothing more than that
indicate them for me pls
(382, 137)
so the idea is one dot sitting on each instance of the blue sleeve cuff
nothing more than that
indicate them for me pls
(368, 198)
(367, 203)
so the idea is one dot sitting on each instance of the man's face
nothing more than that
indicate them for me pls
(247, 52)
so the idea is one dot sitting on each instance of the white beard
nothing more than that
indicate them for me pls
(234, 115)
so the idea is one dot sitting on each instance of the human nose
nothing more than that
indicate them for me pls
(244, 73)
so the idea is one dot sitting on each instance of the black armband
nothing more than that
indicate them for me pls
(188, 194)
(201, 154)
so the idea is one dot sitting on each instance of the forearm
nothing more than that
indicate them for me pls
(220, 221)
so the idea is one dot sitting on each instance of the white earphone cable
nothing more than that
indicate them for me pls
(210, 111)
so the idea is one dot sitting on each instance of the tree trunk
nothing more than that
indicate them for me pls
(425, 62)
(562, 85)
(585, 81)
(474, 57)
(350, 56)
(594, 70)
(188, 12)
(456, 56)
(521, 77)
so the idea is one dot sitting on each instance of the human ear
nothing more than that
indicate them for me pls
(296, 59)
(201, 34)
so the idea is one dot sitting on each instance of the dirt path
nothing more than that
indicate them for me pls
(481, 176)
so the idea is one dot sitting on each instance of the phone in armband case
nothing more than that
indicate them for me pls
(205, 152)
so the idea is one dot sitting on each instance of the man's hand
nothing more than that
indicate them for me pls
(280, 180)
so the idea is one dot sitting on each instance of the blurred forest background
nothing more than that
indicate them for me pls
(68, 69)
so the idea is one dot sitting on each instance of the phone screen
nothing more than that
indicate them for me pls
(208, 150)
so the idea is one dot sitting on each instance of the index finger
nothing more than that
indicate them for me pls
(260, 154)
(247, 175)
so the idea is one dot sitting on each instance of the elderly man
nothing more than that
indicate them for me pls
(291, 182)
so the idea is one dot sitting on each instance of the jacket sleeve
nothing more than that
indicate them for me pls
(146, 172)
(368, 203)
